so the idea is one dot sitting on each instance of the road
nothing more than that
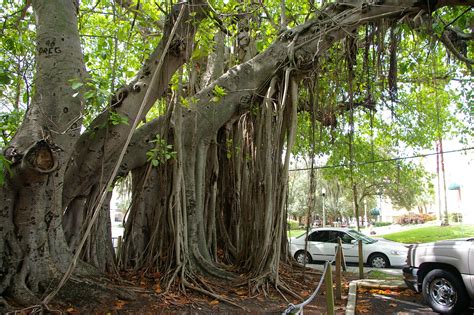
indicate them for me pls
(352, 268)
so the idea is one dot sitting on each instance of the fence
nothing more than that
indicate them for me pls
(327, 277)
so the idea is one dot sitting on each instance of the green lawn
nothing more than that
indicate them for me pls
(431, 234)
(293, 233)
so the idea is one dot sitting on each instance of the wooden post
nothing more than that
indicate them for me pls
(338, 270)
(361, 261)
(329, 290)
(119, 247)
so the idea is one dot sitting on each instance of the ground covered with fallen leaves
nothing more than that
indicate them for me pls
(149, 297)
(389, 301)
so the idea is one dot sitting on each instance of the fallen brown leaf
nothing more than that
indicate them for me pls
(119, 304)
(157, 288)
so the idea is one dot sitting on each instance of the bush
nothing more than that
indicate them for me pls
(456, 217)
(379, 224)
(415, 218)
(292, 225)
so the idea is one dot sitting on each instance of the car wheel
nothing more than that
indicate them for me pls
(444, 292)
(379, 261)
(302, 257)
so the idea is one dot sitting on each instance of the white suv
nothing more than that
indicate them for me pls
(444, 272)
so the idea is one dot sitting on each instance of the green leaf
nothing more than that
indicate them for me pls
(89, 94)
(219, 91)
(76, 85)
(4, 78)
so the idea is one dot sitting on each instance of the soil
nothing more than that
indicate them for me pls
(403, 301)
(142, 294)
(381, 301)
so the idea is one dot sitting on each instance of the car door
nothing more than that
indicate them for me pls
(349, 247)
(471, 269)
(319, 246)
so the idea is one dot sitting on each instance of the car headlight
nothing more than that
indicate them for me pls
(398, 252)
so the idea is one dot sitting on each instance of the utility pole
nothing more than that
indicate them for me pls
(323, 194)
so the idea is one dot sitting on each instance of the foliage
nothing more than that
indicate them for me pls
(379, 224)
(117, 119)
(293, 225)
(4, 169)
(431, 234)
(415, 218)
(161, 153)
(218, 93)
(455, 217)
(9, 123)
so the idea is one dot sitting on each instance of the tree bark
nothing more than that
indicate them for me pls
(97, 149)
(34, 250)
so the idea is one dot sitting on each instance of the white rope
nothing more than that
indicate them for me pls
(299, 307)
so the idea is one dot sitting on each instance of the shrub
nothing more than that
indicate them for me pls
(292, 224)
(415, 218)
(456, 217)
(379, 224)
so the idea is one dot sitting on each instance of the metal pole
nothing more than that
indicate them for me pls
(323, 194)
(329, 290)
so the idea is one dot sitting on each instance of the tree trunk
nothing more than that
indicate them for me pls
(34, 250)
(97, 149)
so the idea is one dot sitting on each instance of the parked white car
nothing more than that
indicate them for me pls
(322, 244)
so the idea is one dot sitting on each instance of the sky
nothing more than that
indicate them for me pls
(459, 168)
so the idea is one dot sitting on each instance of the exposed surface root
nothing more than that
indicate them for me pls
(215, 296)
(140, 293)
(80, 292)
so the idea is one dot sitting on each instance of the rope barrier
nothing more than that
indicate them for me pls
(299, 307)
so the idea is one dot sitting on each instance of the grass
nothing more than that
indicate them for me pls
(431, 234)
(293, 233)
(380, 275)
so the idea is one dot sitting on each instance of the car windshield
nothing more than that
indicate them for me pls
(359, 236)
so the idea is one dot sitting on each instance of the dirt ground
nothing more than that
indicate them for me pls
(405, 301)
(377, 301)
(149, 298)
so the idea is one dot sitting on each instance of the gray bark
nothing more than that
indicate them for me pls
(97, 149)
(103, 144)
(33, 243)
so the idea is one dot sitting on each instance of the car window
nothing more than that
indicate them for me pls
(359, 236)
(319, 236)
(346, 238)
(333, 236)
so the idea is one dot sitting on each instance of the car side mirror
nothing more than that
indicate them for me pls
(353, 241)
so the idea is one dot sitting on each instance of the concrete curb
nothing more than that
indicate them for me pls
(351, 298)
(369, 283)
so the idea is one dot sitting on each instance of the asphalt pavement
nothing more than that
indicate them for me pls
(352, 268)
